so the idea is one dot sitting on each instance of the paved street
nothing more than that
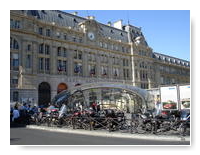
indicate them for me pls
(27, 136)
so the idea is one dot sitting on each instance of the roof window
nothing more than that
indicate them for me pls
(60, 16)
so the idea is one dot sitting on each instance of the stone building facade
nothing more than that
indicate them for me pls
(51, 51)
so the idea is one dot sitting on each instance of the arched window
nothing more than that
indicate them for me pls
(14, 44)
(44, 93)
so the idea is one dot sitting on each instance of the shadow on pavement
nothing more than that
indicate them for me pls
(17, 125)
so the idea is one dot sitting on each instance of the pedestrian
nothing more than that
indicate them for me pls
(94, 106)
(34, 109)
(28, 108)
(98, 107)
(15, 115)
(24, 113)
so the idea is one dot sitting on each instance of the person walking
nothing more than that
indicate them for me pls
(16, 115)
(24, 114)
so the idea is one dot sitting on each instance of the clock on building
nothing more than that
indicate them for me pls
(91, 35)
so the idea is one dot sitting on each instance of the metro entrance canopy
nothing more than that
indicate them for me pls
(141, 93)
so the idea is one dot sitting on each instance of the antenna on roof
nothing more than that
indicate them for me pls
(128, 17)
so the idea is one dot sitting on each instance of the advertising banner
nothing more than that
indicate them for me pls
(169, 98)
(185, 96)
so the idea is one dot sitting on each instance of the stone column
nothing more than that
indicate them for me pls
(132, 70)
(110, 67)
(121, 75)
(23, 54)
(70, 62)
(86, 95)
(98, 68)
(138, 79)
(35, 62)
(85, 63)
(53, 60)
(99, 96)
(157, 75)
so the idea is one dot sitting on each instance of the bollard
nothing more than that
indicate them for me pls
(131, 126)
(73, 123)
(91, 124)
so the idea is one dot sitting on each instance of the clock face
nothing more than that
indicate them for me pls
(91, 35)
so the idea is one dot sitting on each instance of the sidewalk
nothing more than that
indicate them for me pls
(105, 133)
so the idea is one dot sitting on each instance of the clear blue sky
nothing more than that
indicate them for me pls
(166, 31)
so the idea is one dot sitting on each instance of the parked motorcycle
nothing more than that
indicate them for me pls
(142, 122)
(184, 122)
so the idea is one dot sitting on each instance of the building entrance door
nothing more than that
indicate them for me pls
(44, 94)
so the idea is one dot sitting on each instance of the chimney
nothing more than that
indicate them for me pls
(118, 24)
(109, 23)
(91, 17)
(75, 13)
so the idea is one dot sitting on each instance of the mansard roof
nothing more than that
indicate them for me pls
(65, 19)
(170, 59)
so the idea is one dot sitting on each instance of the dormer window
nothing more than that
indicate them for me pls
(34, 12)
(75, 21)
(111, 31)
(60, 16)
(43, 11)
